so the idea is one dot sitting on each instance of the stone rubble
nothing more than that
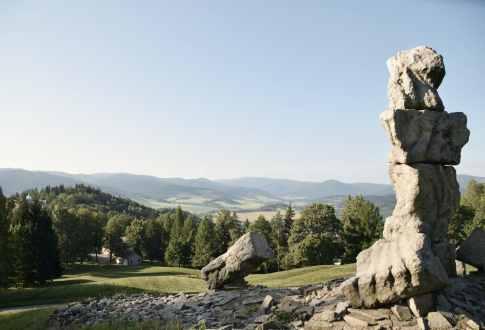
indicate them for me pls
(460, 306)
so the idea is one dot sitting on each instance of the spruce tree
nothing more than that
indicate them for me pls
(262, 226)
(228, 230)
(23, 249)
(35, 250)
(152, 244)
(5, 259)
(48, 265)
(361, 226)
(279, 237)
(176, 252)
(204, 245)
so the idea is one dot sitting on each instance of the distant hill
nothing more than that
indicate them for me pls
(17, 180)
(203, 195)
(292, 189)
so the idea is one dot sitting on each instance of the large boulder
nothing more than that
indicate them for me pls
(242, 258)
(472, 250)
(391, 270)
(415, 76)
(425, 136)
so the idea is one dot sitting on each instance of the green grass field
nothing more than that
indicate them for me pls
(85, 281)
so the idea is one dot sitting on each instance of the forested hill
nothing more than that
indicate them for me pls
(82, 196)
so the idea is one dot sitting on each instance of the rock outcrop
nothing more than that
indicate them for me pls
(425, 136)
(242, 258)
(415, 76)
(414, 257)
(472, 250)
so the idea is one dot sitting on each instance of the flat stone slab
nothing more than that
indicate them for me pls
(425, 136)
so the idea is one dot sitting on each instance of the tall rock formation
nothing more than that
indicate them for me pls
(414, 257)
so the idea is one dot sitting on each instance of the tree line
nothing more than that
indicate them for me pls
(41, 230)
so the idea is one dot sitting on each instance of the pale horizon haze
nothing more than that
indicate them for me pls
(223, 89)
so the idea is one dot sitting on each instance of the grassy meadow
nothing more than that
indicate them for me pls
(88, 280)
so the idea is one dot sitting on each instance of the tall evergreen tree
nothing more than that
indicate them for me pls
(288, 219)
(228, 230)
(279, 237)
(22, 227)
(152, 245)
(204, 245)
(48, 264)
(362, 225)
(34, 243)
(262, 226)
(5, 253)
(315, 236)
(176, 249)
(245, 226)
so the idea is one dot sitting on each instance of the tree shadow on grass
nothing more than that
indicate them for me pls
(128, 274)
(120, 271)
(63, 294)
(69, 282)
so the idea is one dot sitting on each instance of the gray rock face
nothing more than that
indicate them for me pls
(415, 76)
(425, 136)
(427, 195)
(414, 257)
(472, 250)
(242, 258)
(392, 269)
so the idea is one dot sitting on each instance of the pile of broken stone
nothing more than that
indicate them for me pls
(406, 280)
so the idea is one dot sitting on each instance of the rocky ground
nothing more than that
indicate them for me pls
(316, 307)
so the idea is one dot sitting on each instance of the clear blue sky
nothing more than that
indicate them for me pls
(224, 89)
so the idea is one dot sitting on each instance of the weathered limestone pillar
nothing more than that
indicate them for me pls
(414, 257)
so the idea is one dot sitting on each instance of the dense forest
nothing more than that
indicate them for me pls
(41, 230)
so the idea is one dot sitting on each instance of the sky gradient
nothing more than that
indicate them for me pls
(219, 89)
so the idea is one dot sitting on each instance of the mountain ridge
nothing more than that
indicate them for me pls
(202, 195)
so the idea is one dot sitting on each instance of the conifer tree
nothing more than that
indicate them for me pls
(176, 253)
(279, 237)
(48, 265)
(204, 245)
(262, 226)
(35, 250)
(5, 259)
(361, 226)
(154, 236)
(228, 230)
(22, 227)
(245, 226)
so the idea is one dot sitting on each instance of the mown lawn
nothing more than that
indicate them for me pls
(302, 276)
(84, 281)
